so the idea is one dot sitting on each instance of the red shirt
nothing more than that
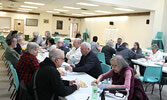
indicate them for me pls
(26, 66)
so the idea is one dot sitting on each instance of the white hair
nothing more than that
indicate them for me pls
(87, 45)
(48, 33)
(109, 43)
(19, 37)
(55, 53)
(31, 46)
(155, 46)
(79, 41)
(35, 33)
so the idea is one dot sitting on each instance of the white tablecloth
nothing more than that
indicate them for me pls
(149, 63)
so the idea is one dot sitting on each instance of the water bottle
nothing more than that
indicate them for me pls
(94, 92)
(102, 86)
(73, 60)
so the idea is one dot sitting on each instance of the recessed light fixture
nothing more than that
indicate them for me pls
(87, 13)
(106, 12)
(2, 13)
(87, 4)
(61, 10)
(124, 9)
(28, 6)
(70, 7)
(22, 10)
(34, 3)
(25, 9)
(52, 12)
(78, 14)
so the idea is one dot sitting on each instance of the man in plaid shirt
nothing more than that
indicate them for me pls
(28, 63)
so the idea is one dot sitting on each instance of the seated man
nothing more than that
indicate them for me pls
(89, 62)
(108, 51)
(118, 44)
(28, 63)
(95, 46)
(75, 52)
(19, 43)
(48, 80)
(128, 54)
(60, 45)
(37, 38)
(10, 54)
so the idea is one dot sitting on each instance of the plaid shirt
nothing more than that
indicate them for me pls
(26, 66)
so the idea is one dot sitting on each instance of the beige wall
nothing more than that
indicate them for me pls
(131, 29)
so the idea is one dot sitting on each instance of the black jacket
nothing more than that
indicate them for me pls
(89, 64)
(138, 51)
(49, 82)
(18, 49)
(108, 51)
(65, 49)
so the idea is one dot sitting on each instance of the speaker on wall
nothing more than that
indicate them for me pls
(111, 23)
(147, 21)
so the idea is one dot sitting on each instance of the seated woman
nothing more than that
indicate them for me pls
(122, 75)
(156, 55)
(51, 44)
(136, 48)
(28, 63)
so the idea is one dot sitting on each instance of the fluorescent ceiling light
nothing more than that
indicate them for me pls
(0, 3)
(87, 4)
(103, 1)
(52, 12)
(22, 10)
(2, 13)
(25, 9)
(77, 14)
(71, 7)
(33, 3)
(28, 6)
(124, 9)
(61, 10)
(87, 13)
(106, 12)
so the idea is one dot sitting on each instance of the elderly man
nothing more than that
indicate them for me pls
(118, 44)
(89, 62)
(19, 43)
(28, 63)
(49, 83)
(37, 38)
(10, 54)
(75, 53)
(60, 45)
(108, 51)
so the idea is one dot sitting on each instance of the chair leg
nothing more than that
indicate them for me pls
(12, 94)
(160, 89)
(11, 83)
(146, 87)
(152, 88)
(10, 76)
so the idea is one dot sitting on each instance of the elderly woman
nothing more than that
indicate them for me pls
(28, 63)
(51, 44)
(18, 48)
(156, 55)
(122, 75)
(108, 51)
(37, 38)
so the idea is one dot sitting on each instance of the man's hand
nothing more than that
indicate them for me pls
(68, 68)
(72, 82)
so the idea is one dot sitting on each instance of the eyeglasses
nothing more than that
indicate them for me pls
(114, 66)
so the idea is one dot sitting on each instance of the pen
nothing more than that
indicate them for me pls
(88, 98)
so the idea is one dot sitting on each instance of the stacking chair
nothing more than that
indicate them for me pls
(1, 40)
(153, 75)
(105, 67)
(159, 40)
(101, 57)
(15, 82)
(56, 39)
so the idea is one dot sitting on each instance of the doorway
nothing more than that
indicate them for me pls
(19, 26)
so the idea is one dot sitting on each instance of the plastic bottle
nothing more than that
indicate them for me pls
(94, 92)
(102, 86)
(73, 60)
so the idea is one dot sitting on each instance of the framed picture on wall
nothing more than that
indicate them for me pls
(59, 24)
(46, 21)
(31, 22)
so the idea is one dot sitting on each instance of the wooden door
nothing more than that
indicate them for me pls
(19, 26)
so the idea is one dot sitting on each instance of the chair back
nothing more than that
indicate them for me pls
(67, 41)
(56, 39)
(10, 65)
(105, 67)
(5, 45)
(161, 50)
(153, 74)
(159, 35)
(101, 57)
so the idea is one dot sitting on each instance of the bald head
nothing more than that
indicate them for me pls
(57, 56)
(77, 42)
(60, 43)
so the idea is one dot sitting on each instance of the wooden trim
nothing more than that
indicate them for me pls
(125, 14)
(66, 16)
(20, 12)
